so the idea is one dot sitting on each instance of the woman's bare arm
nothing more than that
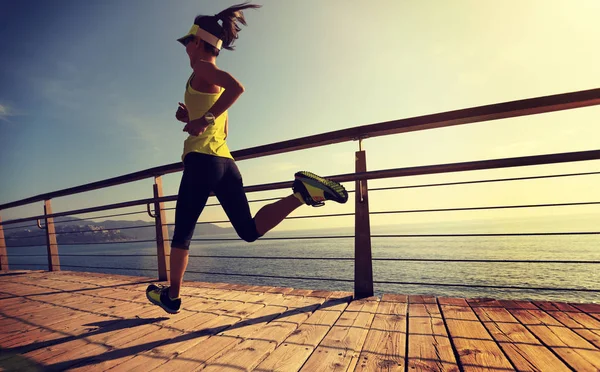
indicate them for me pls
(211, 74)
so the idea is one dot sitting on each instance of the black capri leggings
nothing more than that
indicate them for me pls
(202, 174)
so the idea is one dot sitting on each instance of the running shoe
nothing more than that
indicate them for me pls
(315, 190)
(159, 295)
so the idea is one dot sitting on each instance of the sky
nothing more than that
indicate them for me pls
(88, 91)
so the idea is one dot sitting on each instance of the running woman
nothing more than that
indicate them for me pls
(208, 164)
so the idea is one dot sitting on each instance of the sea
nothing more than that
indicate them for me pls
(567, 282)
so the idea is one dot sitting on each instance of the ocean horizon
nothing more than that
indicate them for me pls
(138, 259)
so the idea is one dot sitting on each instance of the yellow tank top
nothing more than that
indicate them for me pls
(212, 141)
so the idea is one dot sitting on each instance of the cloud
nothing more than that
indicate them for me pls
(7, 111)
(4, 111)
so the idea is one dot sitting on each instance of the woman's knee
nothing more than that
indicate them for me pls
(249, 237)
(248, 234)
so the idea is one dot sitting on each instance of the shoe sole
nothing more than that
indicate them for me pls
(161, 305)
(332, 187)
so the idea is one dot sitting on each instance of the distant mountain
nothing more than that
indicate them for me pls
(75, 230)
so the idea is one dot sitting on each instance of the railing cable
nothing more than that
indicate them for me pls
(487, 286)
(484, 234)
(97, 217)
(485, 208)
(120, 242)
(271, 276)
(100, 230)
(480, 181)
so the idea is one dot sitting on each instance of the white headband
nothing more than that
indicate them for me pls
(204, 35)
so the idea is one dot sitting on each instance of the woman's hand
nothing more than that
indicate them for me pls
(196, 127)
(182, 113)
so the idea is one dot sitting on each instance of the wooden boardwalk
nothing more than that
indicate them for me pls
(95, 322)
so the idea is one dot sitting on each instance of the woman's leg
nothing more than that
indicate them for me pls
(199, 176)
(231, 195)
(272, 214)
(179, 262)
(308, 189)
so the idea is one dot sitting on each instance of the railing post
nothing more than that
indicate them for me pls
(163, 249)
(51, 245)
(363, 265)
(3, 254)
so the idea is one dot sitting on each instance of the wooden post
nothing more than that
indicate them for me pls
(3, 254)
(163, 249)
(363, 265)
(51, 245)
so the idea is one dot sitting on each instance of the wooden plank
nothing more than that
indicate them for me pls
(113, 332)
(144, 339)
(521, 347)
(47, 316)
(80, 351)
(195, 358)
(510, 304)
(18, 329)
(460, 302)
(588, 308)
(390, 297)
(23, 290)
(572, 317)
(299, 345)
(65, 354)
(258, 319)
(571, 347)
(300, 292)
(553, 306)
(198, 342)
(16, 362)
(385, 345)
(12, 301)
(28, 336)
(280, 290)
(21, 306)
(320, 293)
(59, 325)
(340, 349)
(258, 288)
(181, 319)
(93, 278)
(72, 331)
(592, 336)
(348, 296)
(197, 349)
(429, 347)
(58, 282)
(421, 299)
(475, 347)
(201, 315)
(483, 302)
(261, 340)
(537, 317)
(228, 295)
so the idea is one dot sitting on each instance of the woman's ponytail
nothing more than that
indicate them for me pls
(230, 18)
(228, 30)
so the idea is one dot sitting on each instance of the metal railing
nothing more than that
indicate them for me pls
(363, 273)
